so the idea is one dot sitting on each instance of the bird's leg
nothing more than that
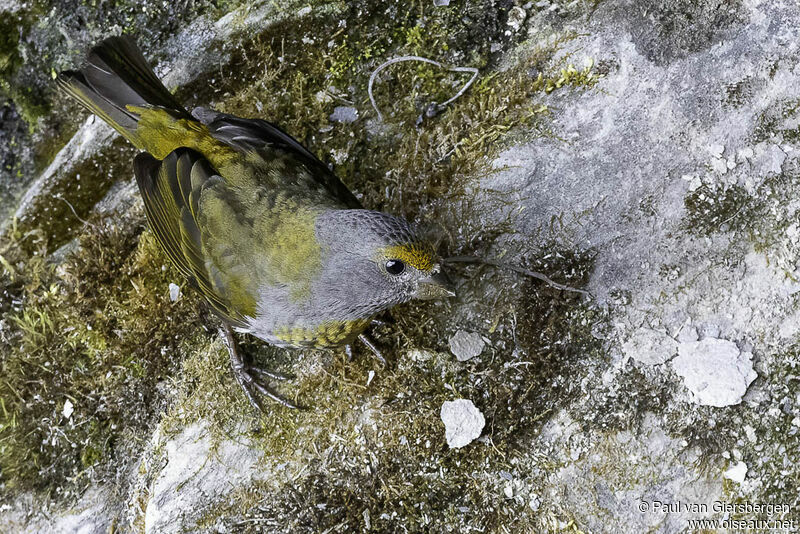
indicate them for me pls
(371, 346)
(348, 349)
(244, 374)
(384, 319)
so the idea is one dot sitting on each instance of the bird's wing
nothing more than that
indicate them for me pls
(250, 135)
(171, 190)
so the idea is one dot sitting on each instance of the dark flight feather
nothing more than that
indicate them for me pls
(168, 188)
(117, 76)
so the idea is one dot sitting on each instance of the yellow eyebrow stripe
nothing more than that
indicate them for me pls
(418, 256)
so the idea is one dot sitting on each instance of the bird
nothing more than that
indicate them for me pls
(271, 238)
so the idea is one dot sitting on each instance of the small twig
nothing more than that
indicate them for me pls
(520, 270)
(392, 61)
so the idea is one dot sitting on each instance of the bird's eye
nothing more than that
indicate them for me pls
(395, 267)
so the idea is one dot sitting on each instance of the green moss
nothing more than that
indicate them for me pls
(740, 93)
(27, 99)
(9, 41)
(762, 216)
(98, 331)
(771, 122)
(710, 209)
(281, 76)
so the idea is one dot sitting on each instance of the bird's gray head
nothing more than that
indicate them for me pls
(373, 261)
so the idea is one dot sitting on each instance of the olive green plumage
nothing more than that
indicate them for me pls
(273, 240)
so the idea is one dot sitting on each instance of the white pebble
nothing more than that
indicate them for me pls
(736, 473)
(174, 292)
(466, 345)
(68, 409)
(344, 114)
(463, 422)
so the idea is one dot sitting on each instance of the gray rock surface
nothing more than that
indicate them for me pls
(196, 474)
(642, 172)
(93, 513)
(650, 346)
(653, 468)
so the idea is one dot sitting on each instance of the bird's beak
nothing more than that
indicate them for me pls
(435, 286)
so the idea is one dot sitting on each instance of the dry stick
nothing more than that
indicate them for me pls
(473, 70)
(520, 270)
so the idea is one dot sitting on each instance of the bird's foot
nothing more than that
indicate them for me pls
(244, 375)
(250, 385)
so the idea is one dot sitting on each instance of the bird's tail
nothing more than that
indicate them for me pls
(116, 80)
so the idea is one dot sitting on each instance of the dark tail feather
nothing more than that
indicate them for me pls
(117, 76)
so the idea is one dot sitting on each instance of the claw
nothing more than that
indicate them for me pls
(371, 346)
(244, 374)
(269, 374)
(265, 390)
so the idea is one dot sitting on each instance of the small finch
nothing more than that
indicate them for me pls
(274, 241)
